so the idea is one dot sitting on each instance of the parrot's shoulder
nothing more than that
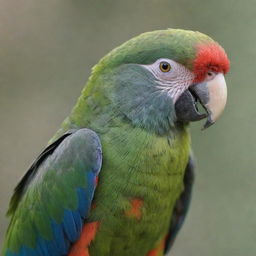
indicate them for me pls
(19, 189)
(54, 197)
(75, 135)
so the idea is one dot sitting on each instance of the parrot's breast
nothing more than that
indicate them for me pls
(140, 181)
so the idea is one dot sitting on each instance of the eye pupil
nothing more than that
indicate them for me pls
(165, 66)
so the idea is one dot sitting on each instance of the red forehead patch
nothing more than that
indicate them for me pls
(210, 57)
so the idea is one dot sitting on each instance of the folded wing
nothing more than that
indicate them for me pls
(54, 197)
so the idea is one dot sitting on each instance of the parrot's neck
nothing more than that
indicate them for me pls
(100, 119)
(95, 110)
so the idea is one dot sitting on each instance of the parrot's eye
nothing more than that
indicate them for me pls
(165, 66)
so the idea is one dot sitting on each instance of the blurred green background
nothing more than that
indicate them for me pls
(46, 51)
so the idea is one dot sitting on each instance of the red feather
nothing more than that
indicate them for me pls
(210, 57)
(135, 210)
(80, 248)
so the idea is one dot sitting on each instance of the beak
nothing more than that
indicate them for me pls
(212, 95)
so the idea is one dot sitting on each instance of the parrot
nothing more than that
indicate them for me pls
(116, 178)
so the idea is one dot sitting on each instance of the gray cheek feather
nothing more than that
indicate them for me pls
(138, 96)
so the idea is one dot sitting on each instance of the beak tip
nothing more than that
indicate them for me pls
(208, 123)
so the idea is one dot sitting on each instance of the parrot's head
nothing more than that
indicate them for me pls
(157, 79)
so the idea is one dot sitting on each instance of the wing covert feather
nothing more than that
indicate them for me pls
(53, 198)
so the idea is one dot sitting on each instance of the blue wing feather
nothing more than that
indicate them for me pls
(80, 150)
(61, 240)
(78, 221)
(70, 226)
(83, 202)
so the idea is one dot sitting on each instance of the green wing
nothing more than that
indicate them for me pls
(181, 206)
(54, 197)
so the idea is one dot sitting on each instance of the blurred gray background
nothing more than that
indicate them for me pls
(46, 51)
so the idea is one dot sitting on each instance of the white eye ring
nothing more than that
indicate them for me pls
(173, 71)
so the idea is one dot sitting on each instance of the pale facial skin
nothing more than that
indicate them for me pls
(175, 79)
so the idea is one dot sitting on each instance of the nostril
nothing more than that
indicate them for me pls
(210, 75)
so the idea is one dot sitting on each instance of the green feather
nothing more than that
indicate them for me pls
(145, 152)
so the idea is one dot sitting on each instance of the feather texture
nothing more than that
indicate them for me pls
(53, 199)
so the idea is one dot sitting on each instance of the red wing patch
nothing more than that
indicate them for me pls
(158, 250)
(135, 210)
(80, 248)
(96, 180)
